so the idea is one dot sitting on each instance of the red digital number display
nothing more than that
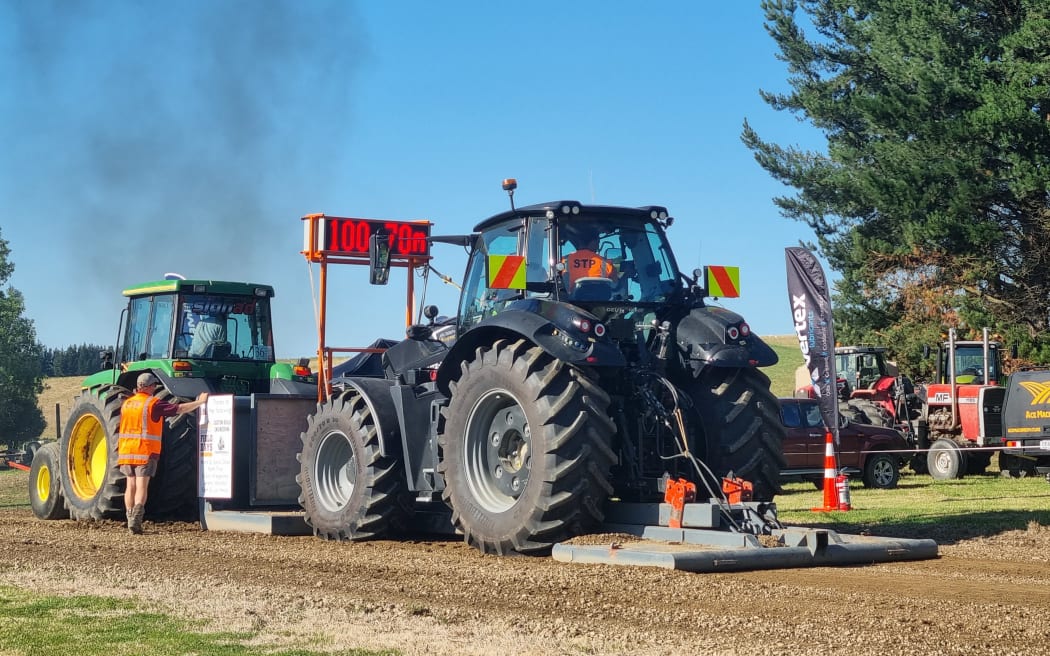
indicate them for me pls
(351, 236)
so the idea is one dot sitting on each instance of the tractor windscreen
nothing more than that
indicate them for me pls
(607, 259)
(969, 365)
(225, 327)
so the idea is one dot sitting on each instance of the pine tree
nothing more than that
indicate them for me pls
(931, 199)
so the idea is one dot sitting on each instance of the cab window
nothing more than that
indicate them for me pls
(137, 330)
(477, 300)
(160, 326)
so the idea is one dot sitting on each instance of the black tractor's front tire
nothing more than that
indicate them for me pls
(45, 484)
(92, 485)
(350, 490)
(525, 450)
(743, 431)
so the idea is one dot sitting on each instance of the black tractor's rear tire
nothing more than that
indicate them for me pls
(525, 450)
(946, 460)
(350, 491)
(173, 490)
(742, 426)
(45, 484)
(92, 485)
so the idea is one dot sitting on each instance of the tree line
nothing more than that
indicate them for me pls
(81, 360)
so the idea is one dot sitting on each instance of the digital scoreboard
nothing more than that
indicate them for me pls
(350, 236)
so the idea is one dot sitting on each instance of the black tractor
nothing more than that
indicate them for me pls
(582, 369)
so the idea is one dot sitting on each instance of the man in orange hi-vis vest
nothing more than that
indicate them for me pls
(139, 441)
(587, 263)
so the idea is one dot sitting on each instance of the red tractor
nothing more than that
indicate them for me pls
(871, 388)
(962, 410)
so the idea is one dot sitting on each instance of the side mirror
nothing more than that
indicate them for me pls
(379, 258)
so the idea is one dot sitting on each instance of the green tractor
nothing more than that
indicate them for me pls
(194, 336)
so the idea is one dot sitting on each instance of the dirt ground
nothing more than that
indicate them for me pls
(982, 596)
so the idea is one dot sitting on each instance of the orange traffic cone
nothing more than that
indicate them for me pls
(831, 497)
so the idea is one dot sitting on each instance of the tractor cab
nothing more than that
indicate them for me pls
(864, 367)
(201, 335)
(973, 363)
(588, 256)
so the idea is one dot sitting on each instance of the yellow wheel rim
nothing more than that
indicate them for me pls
(88, 457)
(43, 483)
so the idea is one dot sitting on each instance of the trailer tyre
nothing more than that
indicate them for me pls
(92, 485)
(946, 460)
(744, 433)
(45, 485)
(525, 450)
(350, 491)
(881, 471)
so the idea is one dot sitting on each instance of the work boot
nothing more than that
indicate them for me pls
(135, 519)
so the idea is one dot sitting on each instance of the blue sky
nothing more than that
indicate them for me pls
(142, 137)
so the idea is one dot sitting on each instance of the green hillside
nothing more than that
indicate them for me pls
(782, 374)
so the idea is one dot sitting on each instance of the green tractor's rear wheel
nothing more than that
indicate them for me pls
(45, 485)
(742, 427)
(525, 450)
(350, 490)
(173, 490)
(92, 485)
(91, 482)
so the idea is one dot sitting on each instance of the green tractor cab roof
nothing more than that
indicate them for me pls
(200, 287)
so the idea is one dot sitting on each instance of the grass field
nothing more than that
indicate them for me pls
(782, 374)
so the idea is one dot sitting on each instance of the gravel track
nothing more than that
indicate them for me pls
(988, 595)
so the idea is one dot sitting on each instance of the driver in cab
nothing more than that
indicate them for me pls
(588, 263)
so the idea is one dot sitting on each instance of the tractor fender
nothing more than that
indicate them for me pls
(181, 387)
(703, 339)
(547, 325)
(377, 396)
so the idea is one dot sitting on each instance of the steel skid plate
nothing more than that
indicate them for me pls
(724, 550)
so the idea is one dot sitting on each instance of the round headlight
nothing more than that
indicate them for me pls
(733, 333)
(584, 326)
(745, 329)
(599, 330)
